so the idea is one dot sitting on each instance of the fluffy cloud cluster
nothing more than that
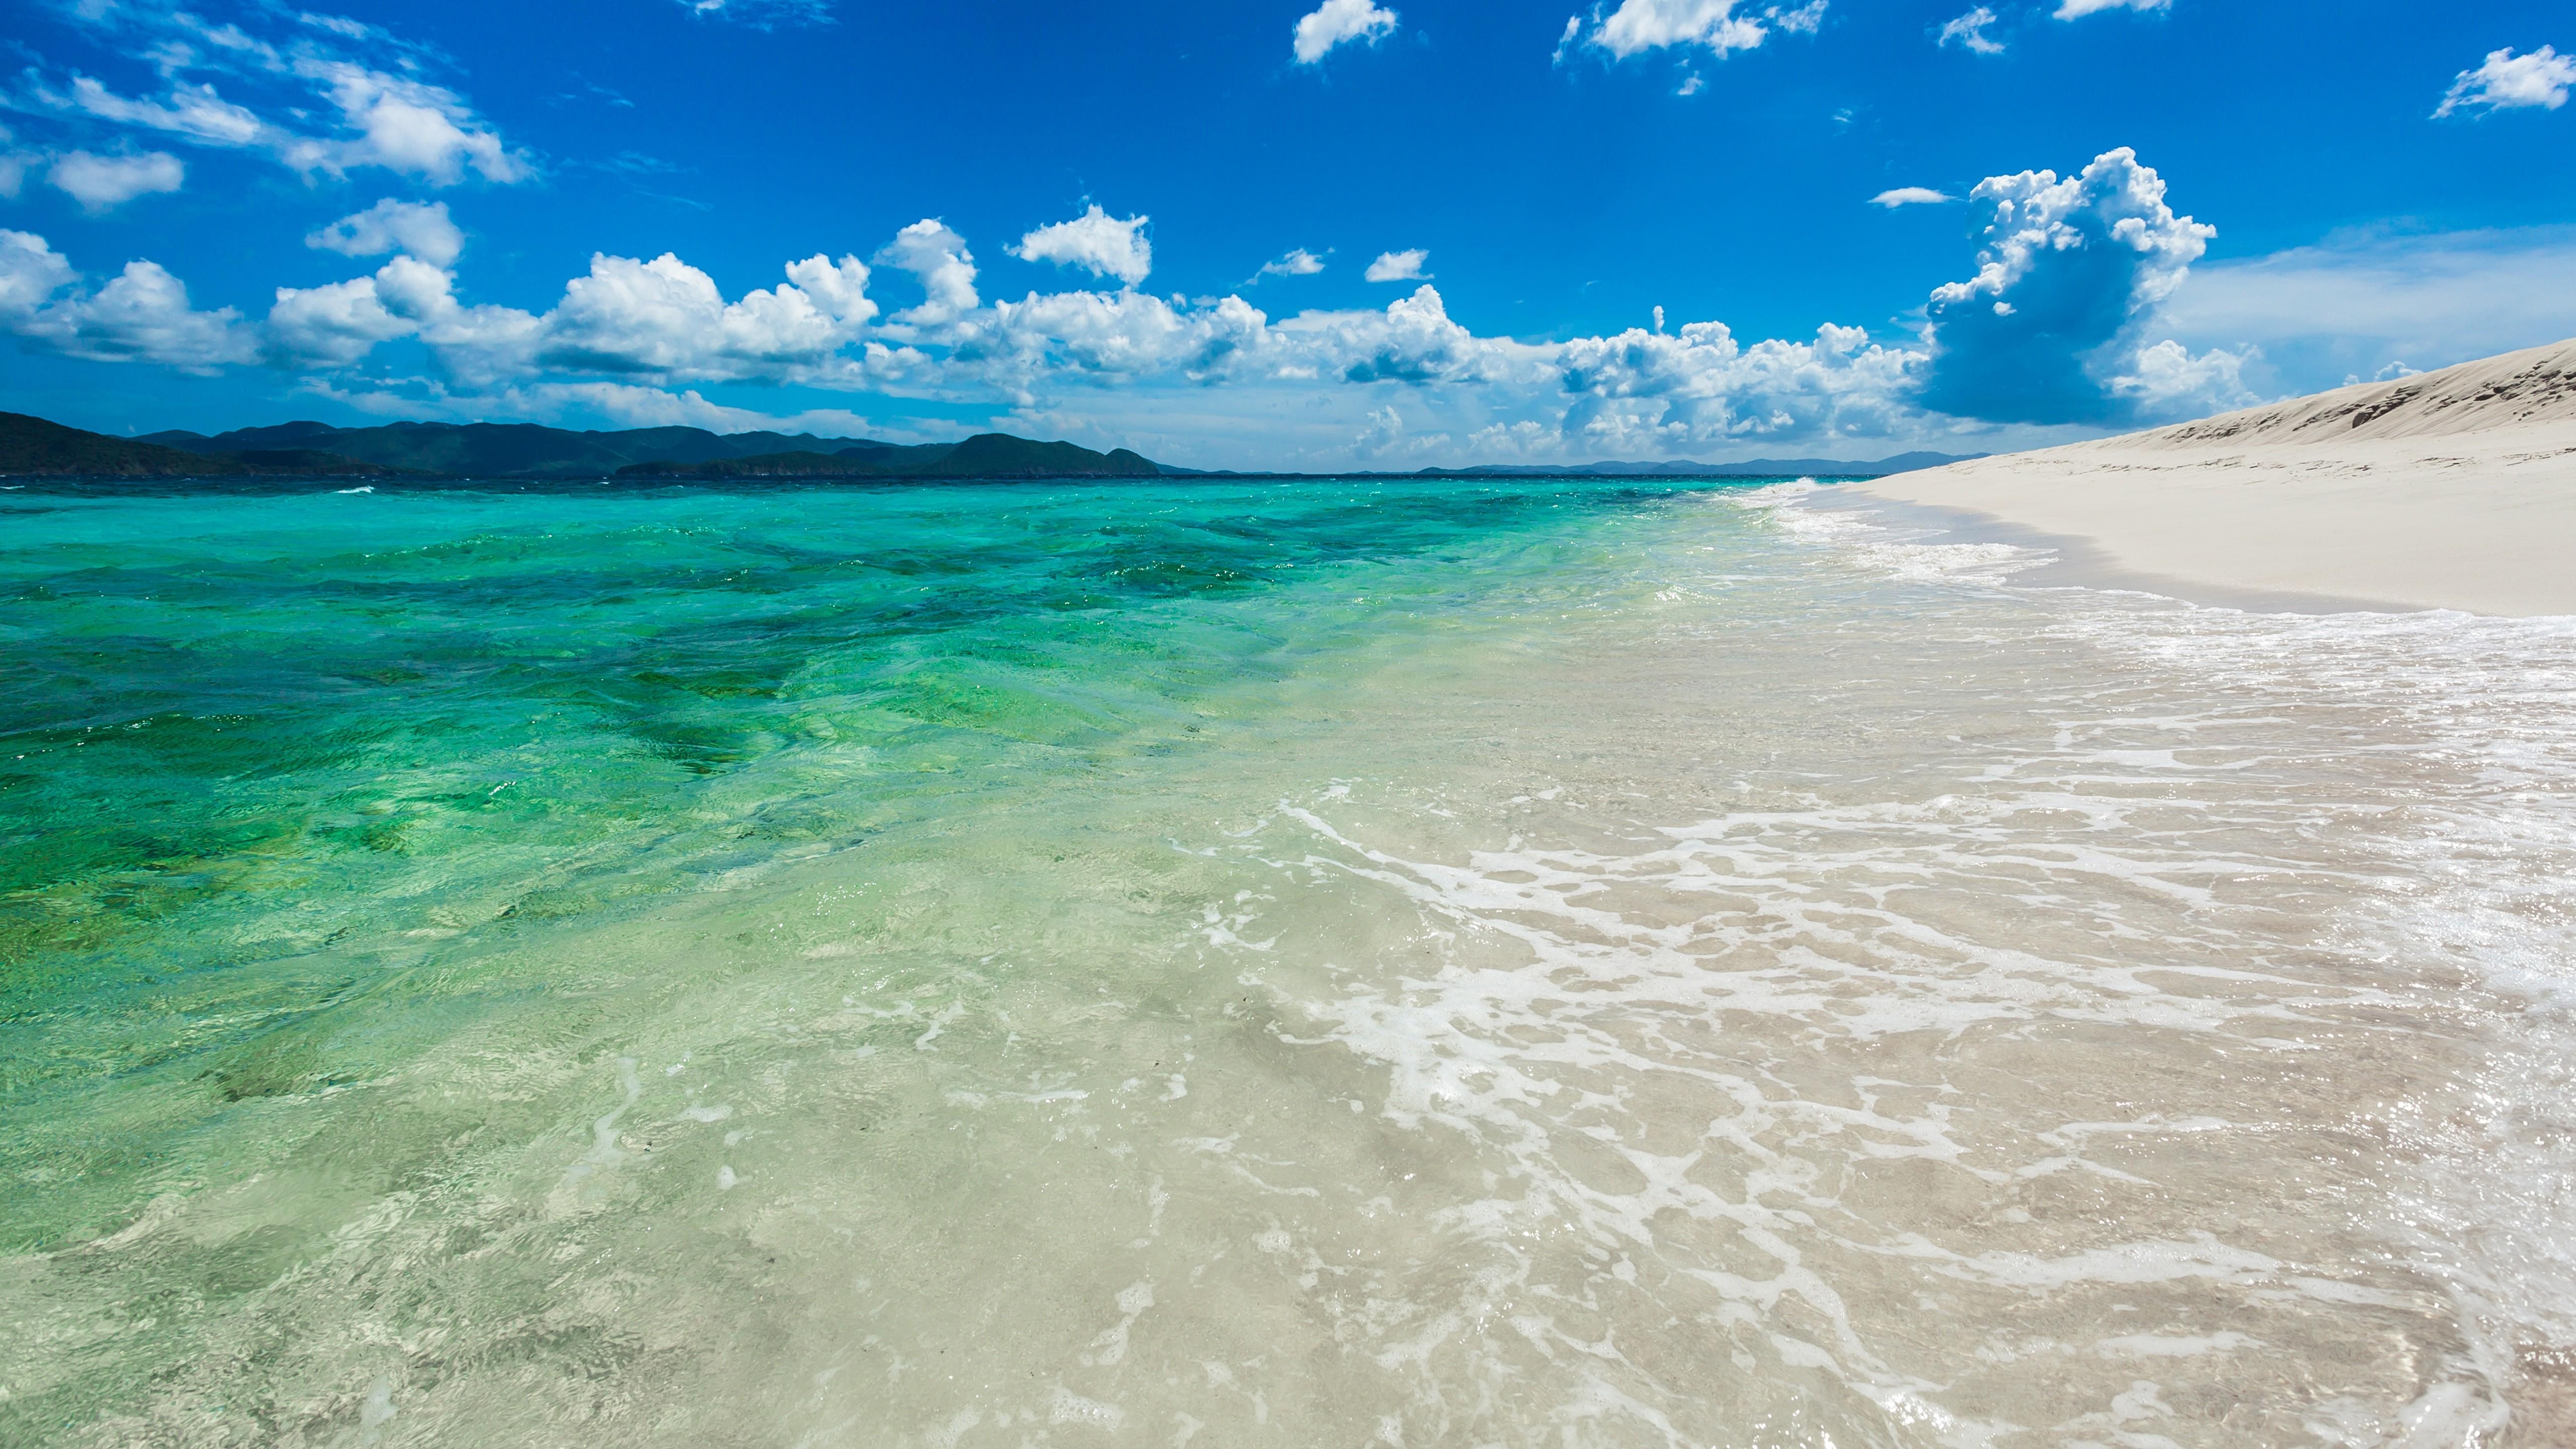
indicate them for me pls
(2070, 274)
(2507, 80)
(2053, 328)
(1640, 391)
(661, 319)
(1339, 22)
(665, 318)
(379, 114)
(1714, 25)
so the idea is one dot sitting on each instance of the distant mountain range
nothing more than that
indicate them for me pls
(527, 450)
(500, 450)
(986, 455)
(33, 447)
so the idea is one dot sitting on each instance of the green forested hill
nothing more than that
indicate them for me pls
(34, 448)
(986, 455)
(507, 450)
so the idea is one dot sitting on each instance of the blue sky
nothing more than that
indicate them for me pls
(1495, 231)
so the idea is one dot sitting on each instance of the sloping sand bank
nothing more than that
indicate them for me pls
(2453, 489)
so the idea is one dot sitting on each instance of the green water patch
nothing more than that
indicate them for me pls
(269, 762)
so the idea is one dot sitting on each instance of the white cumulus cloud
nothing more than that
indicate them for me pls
(1101, 337)
(2070, 272)
(331, 326)
(1969, 32)
(31, 272)
(404, 126)
(937, 258)
(1338, 22)
(2168, 379)
(1644, 393)
(424, 231)
(142, 314)
(1094, 241)
(103, 183)
(1910, 196)
(628, 317)
(1398, 266)
(667, 318)
(2508, 80)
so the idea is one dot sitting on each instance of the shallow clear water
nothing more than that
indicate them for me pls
(1497, 963)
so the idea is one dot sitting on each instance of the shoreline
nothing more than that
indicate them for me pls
(2449, 490)
(2083, 563)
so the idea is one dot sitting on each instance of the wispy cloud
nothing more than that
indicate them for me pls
(2356, 301)
(1298, 263)
(2507, 81)
(1969, 32)
(362, 84)
(103, 183)
(2078, 9)
(763, 14)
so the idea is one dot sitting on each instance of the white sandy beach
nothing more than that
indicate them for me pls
(2453, 489)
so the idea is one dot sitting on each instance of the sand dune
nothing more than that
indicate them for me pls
(2452, 489)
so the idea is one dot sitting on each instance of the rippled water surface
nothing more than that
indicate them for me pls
(1516, 963)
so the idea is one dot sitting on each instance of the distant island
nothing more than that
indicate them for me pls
(31, 447)
(986, 455)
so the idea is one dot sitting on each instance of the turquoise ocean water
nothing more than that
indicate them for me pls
(1529, 961)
